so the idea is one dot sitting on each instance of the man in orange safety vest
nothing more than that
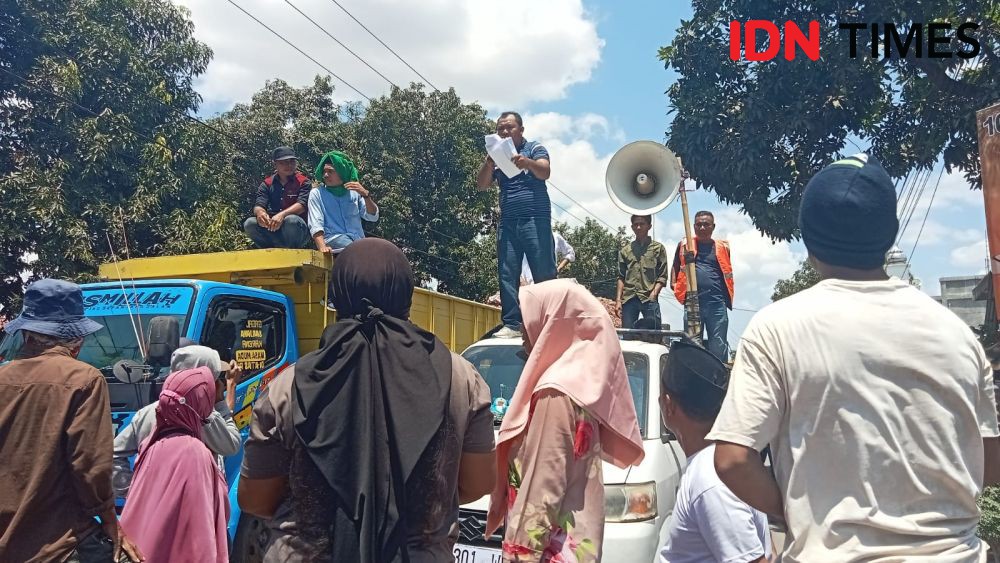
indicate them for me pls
(714, 269)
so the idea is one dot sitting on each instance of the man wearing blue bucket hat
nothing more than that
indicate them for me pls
(877, 402)
(55, 438)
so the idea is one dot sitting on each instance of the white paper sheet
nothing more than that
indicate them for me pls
(502, 151)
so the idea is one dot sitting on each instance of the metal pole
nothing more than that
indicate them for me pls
(691, 305)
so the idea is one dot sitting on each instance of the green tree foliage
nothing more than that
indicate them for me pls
(419, 153)
(239, 143)
(479, 276)
(93, 98)
(803, 278)
(97, 142)
(596, 247)
(755, 132)
(989, 524)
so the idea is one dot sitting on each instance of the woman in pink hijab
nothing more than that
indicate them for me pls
(177, 508)
(572, 409)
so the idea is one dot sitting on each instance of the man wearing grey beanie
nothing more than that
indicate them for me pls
(876, 400)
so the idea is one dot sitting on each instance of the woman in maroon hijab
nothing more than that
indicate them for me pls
(177, 507)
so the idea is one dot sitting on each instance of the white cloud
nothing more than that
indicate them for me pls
(936, 234)
(758, 263)
(953, 192)
(971, 256)
(552, 126)
(578, 168)
(503, 55)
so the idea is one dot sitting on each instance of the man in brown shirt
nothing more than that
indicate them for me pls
(55, 437)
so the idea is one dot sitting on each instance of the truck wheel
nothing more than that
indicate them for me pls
(250, 541)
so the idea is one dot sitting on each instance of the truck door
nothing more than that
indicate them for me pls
(254, 332)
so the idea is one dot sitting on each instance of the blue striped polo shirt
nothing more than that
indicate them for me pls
(524, 196)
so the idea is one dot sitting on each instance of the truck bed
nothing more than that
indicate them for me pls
(303, 275)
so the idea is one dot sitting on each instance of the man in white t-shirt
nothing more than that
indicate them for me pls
(708, 522)
(564, 255)
(876, 400)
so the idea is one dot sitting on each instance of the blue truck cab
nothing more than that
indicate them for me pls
(255, 327)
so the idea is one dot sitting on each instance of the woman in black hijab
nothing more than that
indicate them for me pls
(370, 409)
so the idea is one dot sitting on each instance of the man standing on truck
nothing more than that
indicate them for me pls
(877, 401)
(714, 271)
(337, 207)
(642, 273)
(55, 438)
(708, 522)
(279, 211)
(219, 432)
(525, 230)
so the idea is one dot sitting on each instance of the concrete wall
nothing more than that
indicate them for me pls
(956, 295)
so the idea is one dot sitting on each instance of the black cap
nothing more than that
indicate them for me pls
(687, 359)
(283, 153)
(848, 214)
(695, 379)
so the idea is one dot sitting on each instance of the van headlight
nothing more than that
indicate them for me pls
(630, 503)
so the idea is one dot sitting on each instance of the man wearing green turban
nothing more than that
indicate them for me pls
(338, 205)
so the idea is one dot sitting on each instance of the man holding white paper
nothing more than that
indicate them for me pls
(525, 214)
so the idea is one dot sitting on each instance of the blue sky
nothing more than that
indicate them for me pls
(585, 76)
(628, 85)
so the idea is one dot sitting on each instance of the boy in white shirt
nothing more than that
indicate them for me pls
(708, 522)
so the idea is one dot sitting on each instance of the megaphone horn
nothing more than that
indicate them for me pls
(643, 177)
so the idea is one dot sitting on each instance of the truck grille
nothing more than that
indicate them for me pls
(472, 526)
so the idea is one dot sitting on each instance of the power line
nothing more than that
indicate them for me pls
(293, 46)
(580, 205)
(848, 137)
(909, 259)
(915, 204)
(567, 212)
(904, 192)
(372, 33)
(907, 201)
(339, 42)
(387, 79)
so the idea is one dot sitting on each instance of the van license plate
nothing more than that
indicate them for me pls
(469, 554)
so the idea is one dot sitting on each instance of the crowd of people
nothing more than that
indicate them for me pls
(291, 211)
(876, 403)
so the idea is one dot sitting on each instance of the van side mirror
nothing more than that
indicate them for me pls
(164, 338)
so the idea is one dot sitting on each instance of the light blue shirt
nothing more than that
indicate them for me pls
(338, 218)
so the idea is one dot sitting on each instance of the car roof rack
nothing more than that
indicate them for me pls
(653, 336)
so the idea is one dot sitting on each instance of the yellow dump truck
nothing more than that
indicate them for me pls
(302, 276)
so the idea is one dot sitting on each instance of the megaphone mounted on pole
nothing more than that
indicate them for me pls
(643, 178)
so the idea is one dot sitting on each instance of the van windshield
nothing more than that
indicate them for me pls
(117, 341)
(501, 366)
